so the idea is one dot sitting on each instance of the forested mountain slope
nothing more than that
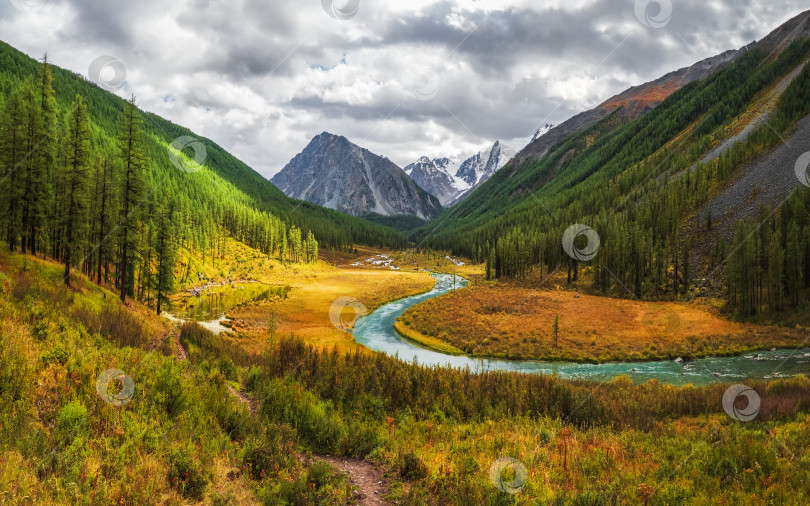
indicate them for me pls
(224, 185)
(629, 104)
(638, 182)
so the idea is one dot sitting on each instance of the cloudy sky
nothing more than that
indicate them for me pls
(404, 79)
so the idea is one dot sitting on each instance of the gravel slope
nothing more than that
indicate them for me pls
(773, 176)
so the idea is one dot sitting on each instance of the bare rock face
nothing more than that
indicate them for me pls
(431, 176)
(479, 167)
(334, 173)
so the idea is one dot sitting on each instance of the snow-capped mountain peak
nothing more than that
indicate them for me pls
(541, 132)
(433, 176)
(481, 166)
(447, 179)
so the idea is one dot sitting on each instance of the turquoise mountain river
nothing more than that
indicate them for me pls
(376, 331)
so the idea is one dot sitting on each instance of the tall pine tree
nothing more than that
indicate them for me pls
(75, 181)
(133, 164)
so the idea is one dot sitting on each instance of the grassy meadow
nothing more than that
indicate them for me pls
(509, 320)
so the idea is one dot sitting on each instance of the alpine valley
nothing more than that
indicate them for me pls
(613, 310)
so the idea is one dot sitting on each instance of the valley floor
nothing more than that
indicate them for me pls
(507, 321)
(490, 319)
(313, 295)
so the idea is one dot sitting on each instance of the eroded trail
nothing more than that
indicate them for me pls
(179, 351)
(173, 338)
(367, 476)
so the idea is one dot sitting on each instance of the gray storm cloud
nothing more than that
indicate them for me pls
(261, 78)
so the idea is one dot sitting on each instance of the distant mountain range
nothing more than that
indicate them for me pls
(335, 173)
(449, 180)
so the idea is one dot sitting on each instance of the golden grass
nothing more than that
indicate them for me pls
(502, 320)
(47, 276)
(314, 287)
(305, 312)
(18, 480)
(556, 457)
(426, 341)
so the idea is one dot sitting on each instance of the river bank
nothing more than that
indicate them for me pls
(377, 331)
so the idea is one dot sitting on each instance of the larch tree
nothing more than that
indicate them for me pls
(13, 147)
(75, 182)
(166, 255)
(133, 165)
(28, 172)
(104, 204)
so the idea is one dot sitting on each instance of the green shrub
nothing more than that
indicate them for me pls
(362, 438)
(254, 375)
(55, 355)
(170, 392)
(72, 418)
(227, 368)
(320, 485)
(39, 330)
(412, 467)
(269, 451)
(186, 473)
(314, 419)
